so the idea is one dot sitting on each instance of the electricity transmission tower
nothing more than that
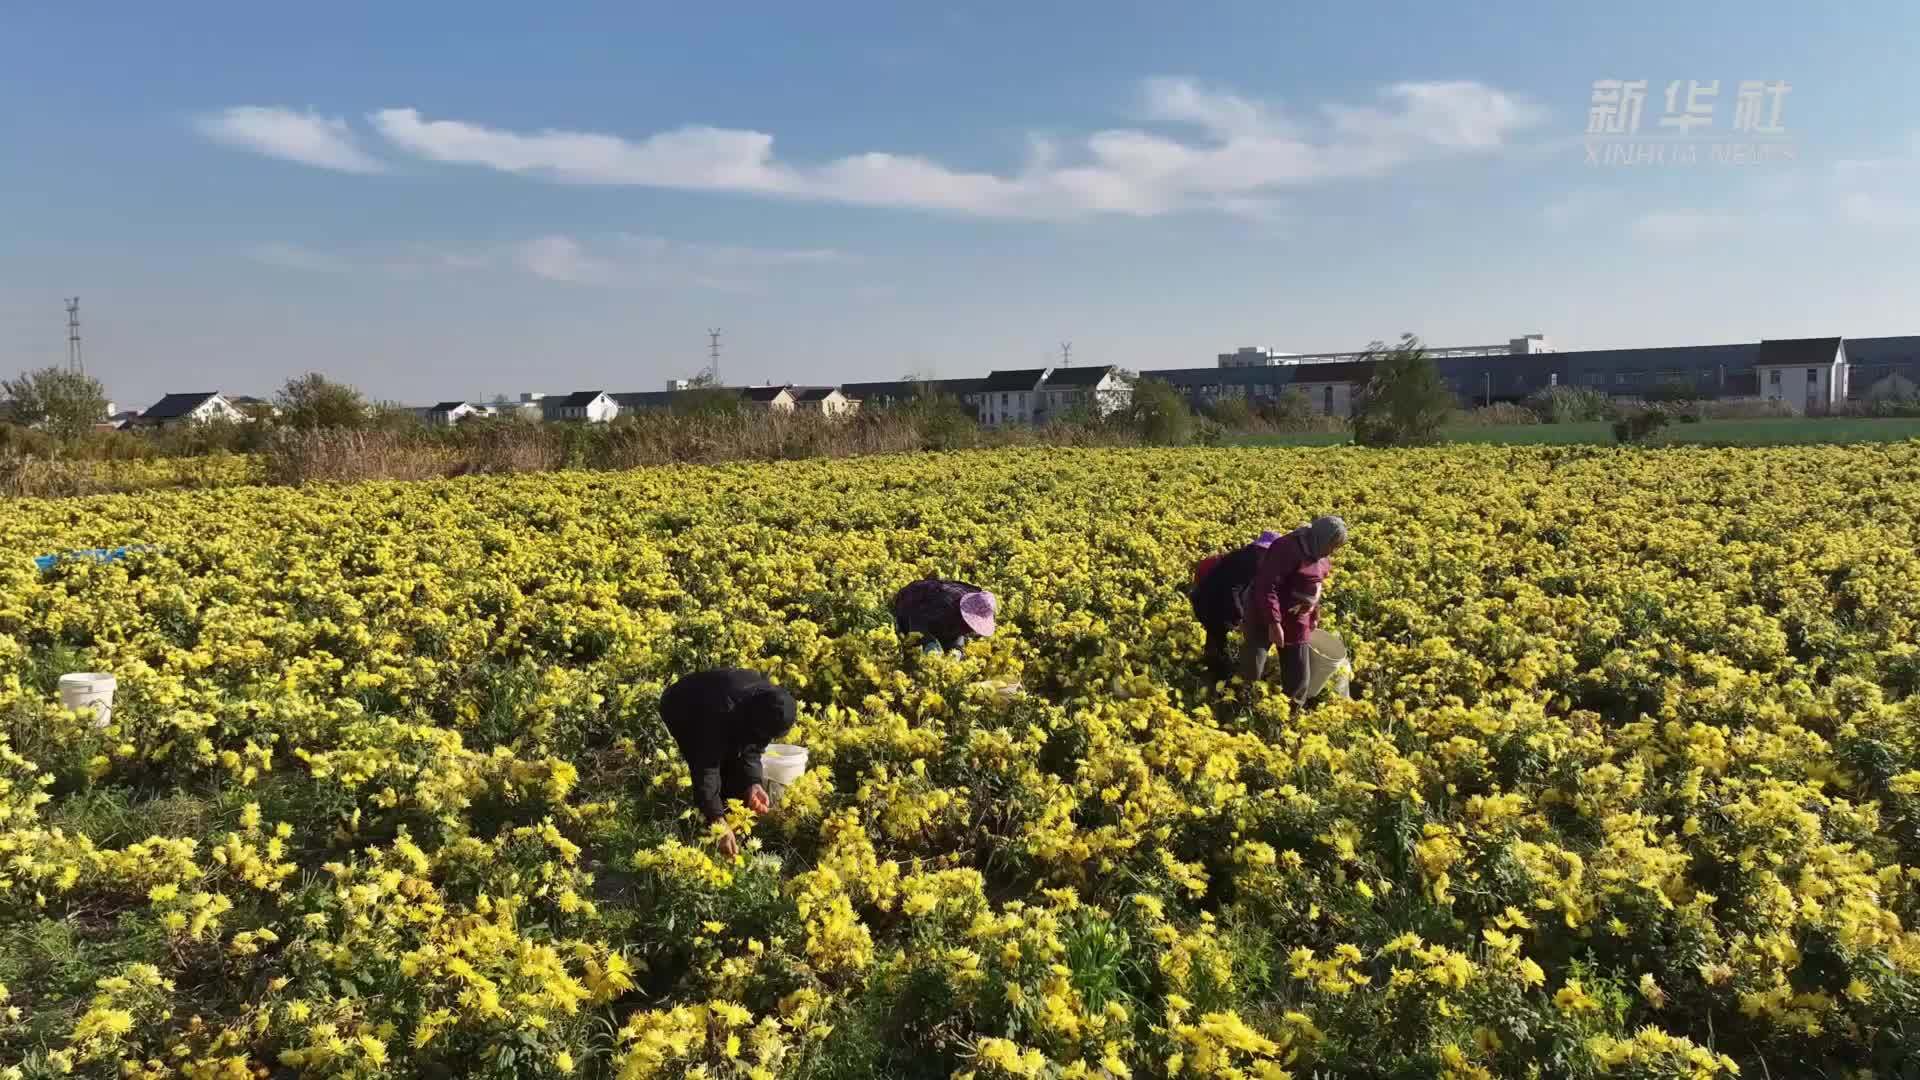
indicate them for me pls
(74, 362)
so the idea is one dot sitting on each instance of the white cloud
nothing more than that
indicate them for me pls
(561, 258)
(1234, 154)
(1880, 211)
(1684, 225)
(296, 257)
(639, 260)
(1575, 207)
(659, 247)
(619, 260)
(308, 138)
(1878, 192)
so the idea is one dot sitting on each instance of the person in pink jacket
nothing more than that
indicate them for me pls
(1283, 602)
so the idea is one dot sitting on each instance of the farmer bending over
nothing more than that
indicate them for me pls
(946, 614)
(723, 720)
(1283, 603)
(1219, 598)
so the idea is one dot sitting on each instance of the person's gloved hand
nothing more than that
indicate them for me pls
(757, 800)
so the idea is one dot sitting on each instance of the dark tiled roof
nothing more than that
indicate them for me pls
(1278, 375)
(1333, 371)
(1079, 376)
(1799, 352)
(447, 406)
(897, 390)
(907, 389)
(813, 393)
(761, 393)
(579, 399)
(1732, 357)
(645, 399)
(1016, 379)
(174, 406)
(1883, 349)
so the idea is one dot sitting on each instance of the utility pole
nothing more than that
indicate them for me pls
(74, 363)
(713, 355)
(1066, 354)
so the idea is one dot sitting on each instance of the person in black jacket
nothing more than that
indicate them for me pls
(723, 720)
(1219, 597)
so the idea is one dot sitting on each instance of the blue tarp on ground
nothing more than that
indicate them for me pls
(47, 562)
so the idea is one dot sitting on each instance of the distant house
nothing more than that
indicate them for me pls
(195, 408)
(504, 408)
(123, 419)
(773, 398)
(1808, 374)
(1014, 397)
(255, 407)
(1881, 368)
(449, 413)
(1331, 388)
(643, 400)
(872, 395)
(825, 400)
(1097, 390)
(589, 406)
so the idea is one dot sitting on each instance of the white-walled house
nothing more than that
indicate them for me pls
(1014, 397)
(1331, 388)
(825, 400)
(589, 406)
(449, 413)
(771, 398)
(1808, 374)
(191, 408)
(1099, 390)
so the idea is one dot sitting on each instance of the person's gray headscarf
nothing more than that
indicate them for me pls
(1325, 534)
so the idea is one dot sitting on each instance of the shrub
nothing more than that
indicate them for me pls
(943, 422)
(1233, 414)
(1159, 414)
(1745, 409)
(1569, 405)
(1637, 427)
(1672, 392)
(1405, 403)
(1499, 414)
(1880, 408)
(64, 403)
(337, 455)
(313, 401)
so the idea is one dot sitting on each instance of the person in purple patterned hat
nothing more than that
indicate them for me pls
(1283, 602)
(945, 614)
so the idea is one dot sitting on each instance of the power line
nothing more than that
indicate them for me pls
(74, 362)
(713, 355)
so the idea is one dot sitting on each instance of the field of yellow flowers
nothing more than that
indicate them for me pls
(1630, 785)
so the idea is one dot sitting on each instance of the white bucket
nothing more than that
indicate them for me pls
(1327, 663)
(781, 766)
(89, 690)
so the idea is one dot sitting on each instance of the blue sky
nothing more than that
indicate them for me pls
(438, 200)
